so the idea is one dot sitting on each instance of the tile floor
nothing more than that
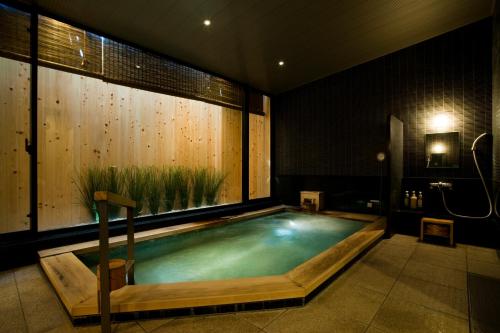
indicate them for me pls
(400, 285)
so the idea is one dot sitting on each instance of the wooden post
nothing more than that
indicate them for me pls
(104, 300)
(130, 245)
(103, 199)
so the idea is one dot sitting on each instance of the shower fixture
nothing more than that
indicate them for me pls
(446, 185)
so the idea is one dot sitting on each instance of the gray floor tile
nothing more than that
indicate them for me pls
(152, 324)
(131, 327)
(459, 251)
(434, 296)
(260, 318)
(127, 327)
(484, 268)
(491, 256)
(313, 319)
(440, 256)
(39, 302)
(441, 275)
(349, 302)
(209, 324)
(403, 239)
(87, 329)
(392, 249)
(401, 316)
(377, 273)
(11, 318)
(372, 329)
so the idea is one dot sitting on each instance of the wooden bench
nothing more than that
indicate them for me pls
(436, 227)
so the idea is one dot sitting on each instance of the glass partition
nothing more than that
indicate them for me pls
(168, 153)
(260, 151)
(15, 90)
(14, 130)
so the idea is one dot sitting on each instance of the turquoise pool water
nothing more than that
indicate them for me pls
(268, 245)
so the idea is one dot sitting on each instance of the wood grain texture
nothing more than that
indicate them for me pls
(260, 152)
(84, 122)
(14, 161)
(297, 283)
(317, 270)
(72, 280)
(193, 294)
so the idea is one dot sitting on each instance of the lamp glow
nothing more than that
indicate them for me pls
(441, 122)
(207, 22)
(438, 148)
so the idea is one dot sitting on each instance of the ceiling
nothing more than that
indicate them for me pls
(247, 38)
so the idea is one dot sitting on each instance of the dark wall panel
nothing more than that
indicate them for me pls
(335, 126)
(496, 94)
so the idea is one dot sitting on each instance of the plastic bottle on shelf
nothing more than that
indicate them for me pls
(420, 200)
(413, 200)
(407, 199)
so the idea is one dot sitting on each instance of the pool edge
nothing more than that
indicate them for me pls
(290, 288)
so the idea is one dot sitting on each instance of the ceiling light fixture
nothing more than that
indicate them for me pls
(207, 22)
(281, 63)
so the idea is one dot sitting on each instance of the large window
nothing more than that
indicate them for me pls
(114, 117)
(14, 160)
(14, 120)
(87, 126)
(260, 151)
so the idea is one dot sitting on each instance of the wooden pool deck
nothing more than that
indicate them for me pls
(76, 284)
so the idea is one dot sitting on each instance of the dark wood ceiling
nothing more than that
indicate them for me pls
(247, 38)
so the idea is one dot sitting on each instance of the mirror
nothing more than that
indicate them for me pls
(442, 150)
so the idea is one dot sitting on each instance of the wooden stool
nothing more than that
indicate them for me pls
(436, 227)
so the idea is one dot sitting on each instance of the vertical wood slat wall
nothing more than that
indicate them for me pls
(260, 152)
(63, 145)
(85, 121)
(14, 161)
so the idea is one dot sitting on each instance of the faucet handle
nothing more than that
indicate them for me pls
(440, 185)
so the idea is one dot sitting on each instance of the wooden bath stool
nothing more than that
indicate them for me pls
(436, 227)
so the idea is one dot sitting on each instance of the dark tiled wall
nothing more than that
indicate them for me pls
(496, 93)
(335, 126)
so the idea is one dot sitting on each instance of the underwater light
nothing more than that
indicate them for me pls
(207, 22)
(282, 232)
(281, 63)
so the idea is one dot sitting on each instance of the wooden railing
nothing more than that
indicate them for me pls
(103, 200)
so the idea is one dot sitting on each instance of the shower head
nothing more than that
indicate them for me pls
(473, 148)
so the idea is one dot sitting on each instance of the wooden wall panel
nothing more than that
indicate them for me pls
(14, 161)
(84, 121)
(260, 152)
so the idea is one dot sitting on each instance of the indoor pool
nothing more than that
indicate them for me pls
(268, 245)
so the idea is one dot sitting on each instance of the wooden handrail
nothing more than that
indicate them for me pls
(103, 200)
(114, 199)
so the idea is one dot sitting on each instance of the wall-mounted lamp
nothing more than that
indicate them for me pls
(438, 148)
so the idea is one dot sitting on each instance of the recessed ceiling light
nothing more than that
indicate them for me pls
(281, 63)
(207, 22)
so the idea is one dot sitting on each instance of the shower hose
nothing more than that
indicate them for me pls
(473, 148)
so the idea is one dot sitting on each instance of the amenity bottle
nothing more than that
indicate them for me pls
(407, 199)
(420, 200)
(413, 200)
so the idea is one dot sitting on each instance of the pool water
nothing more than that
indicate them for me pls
(268, 245)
